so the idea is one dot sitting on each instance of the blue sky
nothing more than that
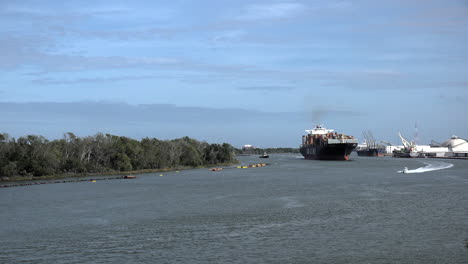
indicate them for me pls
(244, 72)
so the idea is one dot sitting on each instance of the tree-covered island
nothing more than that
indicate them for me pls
(36, 157)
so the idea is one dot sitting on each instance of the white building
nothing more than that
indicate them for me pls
(453, 147)
(456, 145)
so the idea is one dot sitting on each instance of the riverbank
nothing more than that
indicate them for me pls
(105, 174)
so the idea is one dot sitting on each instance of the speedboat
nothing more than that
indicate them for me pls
(405, 170)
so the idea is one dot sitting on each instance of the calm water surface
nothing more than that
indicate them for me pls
(293, 211)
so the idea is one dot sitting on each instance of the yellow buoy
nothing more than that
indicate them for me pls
(160, 175)
(93, 181)
(239, 167)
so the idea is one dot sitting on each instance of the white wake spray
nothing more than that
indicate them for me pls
(430, 166)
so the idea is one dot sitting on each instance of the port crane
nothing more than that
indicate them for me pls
(370, 140)
(435, 144)
(386, 143)
(409, 146)
(406, 143)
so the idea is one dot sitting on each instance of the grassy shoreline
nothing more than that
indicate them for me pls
(109, 173)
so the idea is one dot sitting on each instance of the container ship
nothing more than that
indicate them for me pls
(324, 144)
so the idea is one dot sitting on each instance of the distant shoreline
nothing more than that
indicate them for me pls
(103, 174)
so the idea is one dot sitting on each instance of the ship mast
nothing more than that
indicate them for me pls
(370, 140)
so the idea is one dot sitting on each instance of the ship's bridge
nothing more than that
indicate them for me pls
(319, 130)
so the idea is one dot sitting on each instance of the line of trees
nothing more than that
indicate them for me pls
(34, 155)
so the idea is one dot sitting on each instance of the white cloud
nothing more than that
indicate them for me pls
(164, 121)
(33, 50)
(49, 81)
(271, 11)
(229, 36)
(267, 88)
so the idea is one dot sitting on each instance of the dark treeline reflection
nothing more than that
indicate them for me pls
(36, 156)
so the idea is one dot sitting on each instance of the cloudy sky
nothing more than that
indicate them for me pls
(243, 72)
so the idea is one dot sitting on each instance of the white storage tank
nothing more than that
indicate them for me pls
(456, 145)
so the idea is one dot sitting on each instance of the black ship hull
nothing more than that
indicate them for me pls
(370, 153)
(328, 152)
(405, 154)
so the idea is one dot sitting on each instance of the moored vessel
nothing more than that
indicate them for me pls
(371, 152)
(409, 149)
(325, 144)
(370, 148)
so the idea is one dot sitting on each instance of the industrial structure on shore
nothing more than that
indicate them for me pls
(454, 147)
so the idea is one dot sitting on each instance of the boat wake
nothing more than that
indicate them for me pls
(430, 166)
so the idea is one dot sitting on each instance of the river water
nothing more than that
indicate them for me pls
(292, 211)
